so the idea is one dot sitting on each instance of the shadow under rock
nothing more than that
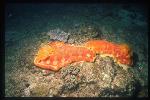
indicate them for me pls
(135, 58)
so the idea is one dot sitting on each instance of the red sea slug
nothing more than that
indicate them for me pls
(121, 53)
(56, 55)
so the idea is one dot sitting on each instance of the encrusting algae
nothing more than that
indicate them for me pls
(56, 54)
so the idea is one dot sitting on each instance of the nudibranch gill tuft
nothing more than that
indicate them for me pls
(56, 54)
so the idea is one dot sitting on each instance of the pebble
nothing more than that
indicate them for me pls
(27, 92)
(71, 41)
(58, 34)
(46, 72)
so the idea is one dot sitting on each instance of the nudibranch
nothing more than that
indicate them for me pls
(56, 54)
(121, 53)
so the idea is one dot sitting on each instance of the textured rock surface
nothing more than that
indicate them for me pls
(84, 33)
(58, 34)
(80, 79)
(104, 78)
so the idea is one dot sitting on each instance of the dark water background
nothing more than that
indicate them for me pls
(25, 25)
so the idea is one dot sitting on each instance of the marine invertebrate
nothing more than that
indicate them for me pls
(120, 52)
(56, 54)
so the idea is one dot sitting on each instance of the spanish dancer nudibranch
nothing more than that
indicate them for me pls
(56, 54)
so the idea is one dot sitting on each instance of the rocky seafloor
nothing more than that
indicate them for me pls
(101, 78)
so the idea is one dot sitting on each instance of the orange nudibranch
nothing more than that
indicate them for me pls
(121, 53)
(56, 55)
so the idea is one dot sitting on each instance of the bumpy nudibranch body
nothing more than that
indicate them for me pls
(56, 55)
(120, 52)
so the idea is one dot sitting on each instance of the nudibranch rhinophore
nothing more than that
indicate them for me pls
(56, 54)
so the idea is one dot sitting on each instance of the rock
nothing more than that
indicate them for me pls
(46, 72)
(58, 34)
(101, 78)
(91, 32)
(105, 71)
(83, 33)
(71, 41)
(39, 89)
(27, 92)
(69, 76)
(55, 87)
(78, 35)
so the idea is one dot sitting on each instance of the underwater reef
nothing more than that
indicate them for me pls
(93, 45)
